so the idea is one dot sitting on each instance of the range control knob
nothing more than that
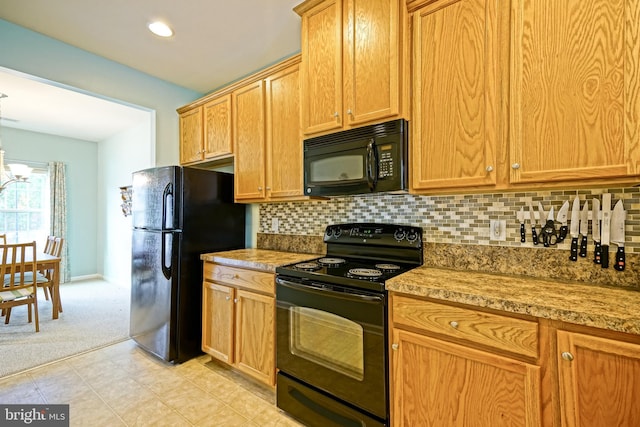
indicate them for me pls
(329, 232)
(337, 232)
(399, 234)
(412, 236)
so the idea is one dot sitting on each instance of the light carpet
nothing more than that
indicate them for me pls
(96, 313)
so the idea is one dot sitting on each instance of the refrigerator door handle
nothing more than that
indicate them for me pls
(167, 251)
(167, 207)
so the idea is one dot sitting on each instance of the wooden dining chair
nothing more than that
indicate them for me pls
(48, 245)
(19, 280)
(3, 239)
(45, 278)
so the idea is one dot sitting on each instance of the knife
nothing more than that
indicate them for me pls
(605, 230)
(562, 219)
(575, 227)
(584, 228)
(595, 222)
(617, 234)
(532, 220)
(521, 219)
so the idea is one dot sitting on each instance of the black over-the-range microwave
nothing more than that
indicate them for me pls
(364, 160)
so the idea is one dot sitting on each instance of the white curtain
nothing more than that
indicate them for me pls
(57, 181)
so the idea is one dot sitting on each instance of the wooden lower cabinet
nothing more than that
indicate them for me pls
(238, 316)
(455, 365)
(599, 381)
(440, 384)
(217, 321)
(254, 337)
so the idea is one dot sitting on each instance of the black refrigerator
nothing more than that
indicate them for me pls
(178, 213)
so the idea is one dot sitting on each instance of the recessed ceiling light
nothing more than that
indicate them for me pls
(160, 29)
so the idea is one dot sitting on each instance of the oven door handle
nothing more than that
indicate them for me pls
(324, 289)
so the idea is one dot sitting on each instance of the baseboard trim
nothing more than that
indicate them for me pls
(86, 277)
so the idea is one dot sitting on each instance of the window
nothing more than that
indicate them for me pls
(24, 209)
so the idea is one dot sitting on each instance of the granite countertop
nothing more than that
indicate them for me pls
(256, 259)
(603, 307)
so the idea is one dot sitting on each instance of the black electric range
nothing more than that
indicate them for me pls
(332, 328)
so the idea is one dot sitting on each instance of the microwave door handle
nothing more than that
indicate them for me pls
(372, 165)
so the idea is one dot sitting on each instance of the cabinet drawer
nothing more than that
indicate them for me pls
(500, 332)
(241, 278)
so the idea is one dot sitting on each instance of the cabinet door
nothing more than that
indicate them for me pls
(217, 127)
(321, 84)
(191, 136)
(575, 108)
(249, 147)
(255, 335)
(456, 84)
(372, 36)
(436, 384)
(217, 321)
(284, 138)
(599, 383)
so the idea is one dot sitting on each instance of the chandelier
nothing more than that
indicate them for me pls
(17, 172)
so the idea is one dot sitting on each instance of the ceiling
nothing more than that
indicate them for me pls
(214, 43)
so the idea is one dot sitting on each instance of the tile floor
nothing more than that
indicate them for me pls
(121, 385)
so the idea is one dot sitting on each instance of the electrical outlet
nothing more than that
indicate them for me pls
(275, 225)
(498, 230)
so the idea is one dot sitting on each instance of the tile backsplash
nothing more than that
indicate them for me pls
(455, 219)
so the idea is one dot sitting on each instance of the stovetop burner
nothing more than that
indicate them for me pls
(331, 262)
(364, 273)
(388, 268)
(307, 266)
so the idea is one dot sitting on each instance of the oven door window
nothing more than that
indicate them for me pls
(346, 167)
(328, 340)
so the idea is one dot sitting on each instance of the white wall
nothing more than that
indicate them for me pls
(118, 158)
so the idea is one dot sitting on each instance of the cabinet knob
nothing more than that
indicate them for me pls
(567, 356)
(336, 115)
(259, 188)
(489, 168)
(268, 188)
(515, 166)
(235, 300)
(394, 346)
(227, 297)
(453, 324)
(349, 112)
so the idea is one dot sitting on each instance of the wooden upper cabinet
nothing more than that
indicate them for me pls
(249, 141)
(205, 131)
(191, 135)
(575, 84)
(352, 65)
(456, 83)
(321, 82)
(372, 32)
(217, 127)
(284, 137)
(598, 381)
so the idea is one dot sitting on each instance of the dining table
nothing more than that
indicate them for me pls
(46, 261)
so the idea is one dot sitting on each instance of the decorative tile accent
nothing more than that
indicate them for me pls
(457, 219)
